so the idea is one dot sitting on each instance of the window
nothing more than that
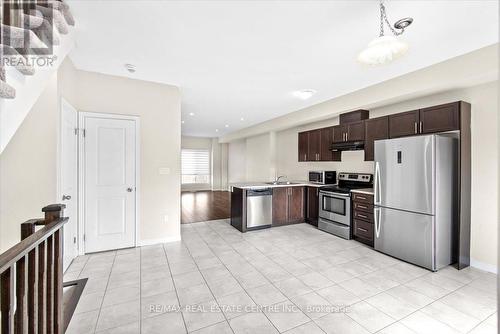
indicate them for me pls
(195, 166)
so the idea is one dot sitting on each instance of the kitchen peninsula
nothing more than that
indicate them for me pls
(256, 205)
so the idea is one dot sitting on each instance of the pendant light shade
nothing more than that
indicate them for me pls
(382, 50)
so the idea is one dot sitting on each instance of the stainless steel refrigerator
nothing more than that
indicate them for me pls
(415, 199)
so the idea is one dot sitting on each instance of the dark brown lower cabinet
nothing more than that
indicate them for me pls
(312, 205)
(288, 205)
(362, 218)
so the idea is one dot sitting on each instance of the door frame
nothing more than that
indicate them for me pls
(81, 168)
(62, 103)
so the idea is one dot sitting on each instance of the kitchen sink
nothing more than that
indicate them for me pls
(281, 183)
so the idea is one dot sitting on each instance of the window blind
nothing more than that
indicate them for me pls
(195, 165)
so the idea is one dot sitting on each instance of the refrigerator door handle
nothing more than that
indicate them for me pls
(376, 217)
(376, 192)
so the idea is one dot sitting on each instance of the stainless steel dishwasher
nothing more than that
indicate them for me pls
(259, 208)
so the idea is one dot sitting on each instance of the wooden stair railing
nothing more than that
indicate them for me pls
(31, 277)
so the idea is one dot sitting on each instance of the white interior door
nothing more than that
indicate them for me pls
(110, 167)
(69, 179)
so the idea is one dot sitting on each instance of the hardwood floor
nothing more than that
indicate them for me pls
(205, 205)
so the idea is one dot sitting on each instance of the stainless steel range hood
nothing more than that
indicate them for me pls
(347, 146)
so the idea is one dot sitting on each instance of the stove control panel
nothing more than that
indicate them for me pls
(356, 177)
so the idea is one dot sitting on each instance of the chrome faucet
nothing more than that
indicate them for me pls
(278, 178)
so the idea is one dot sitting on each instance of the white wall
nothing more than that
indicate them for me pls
(28, 167)
(236, 161)
(159, 109)
(484, 101)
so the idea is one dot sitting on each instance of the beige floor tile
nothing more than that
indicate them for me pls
(236, 304)
(118, 315)
(423, 324)
(339, 323)
(313, 305)
(157, 304)
(83, 323)
(220, 328)
(164, 323)
(369, 317)
(202, 315)
(252, 323)
(266, 295)
(451, 316)
(338, 296)
(292, 287)
(315, 280)
(308, 328)
(395, 307)
(285, 316)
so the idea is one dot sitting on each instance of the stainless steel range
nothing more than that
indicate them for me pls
(335, 203)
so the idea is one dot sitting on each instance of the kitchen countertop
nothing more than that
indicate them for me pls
(367, 191)
(260, 185)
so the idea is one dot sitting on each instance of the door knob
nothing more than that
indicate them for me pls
(129, 189)
(66, 197)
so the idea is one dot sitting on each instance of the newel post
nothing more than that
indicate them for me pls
(52, 212)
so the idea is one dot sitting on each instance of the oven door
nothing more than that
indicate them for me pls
(335, 207)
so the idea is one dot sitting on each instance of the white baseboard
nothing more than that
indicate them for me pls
(149, 242)
(483, 266)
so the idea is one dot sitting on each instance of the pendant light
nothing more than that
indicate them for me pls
(384, 49)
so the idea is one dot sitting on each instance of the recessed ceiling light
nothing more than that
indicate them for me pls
(130, 68)
(182, 122)
(191, 114)
(304, 94)
(227, 125)
(242, 119)
(216, 130)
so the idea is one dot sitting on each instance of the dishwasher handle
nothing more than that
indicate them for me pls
(260, 192)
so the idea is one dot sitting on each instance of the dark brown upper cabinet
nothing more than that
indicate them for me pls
(375, 129)
(339, 133)
(349, 132)
(354, 116)
(303, 145)
(440, 118)
(314, 145)
(326, 139)
(356, 131)
(445, 117)
(404, 124)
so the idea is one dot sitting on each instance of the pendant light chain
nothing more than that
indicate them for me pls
(383, 18)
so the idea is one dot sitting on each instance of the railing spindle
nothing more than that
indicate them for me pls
(42, 305)
(58, 281)
(7, 301)
(49, 285)
(32, 291)
(20, 315)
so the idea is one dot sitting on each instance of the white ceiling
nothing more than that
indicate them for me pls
(242, 59)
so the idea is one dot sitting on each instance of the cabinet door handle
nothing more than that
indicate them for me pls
(361, 197)
(362, 216)
(361, 206)
(416, 131)
(362, 229)
(346, 136)
(421, 127)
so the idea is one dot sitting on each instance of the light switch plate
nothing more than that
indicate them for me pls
(164, 171)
